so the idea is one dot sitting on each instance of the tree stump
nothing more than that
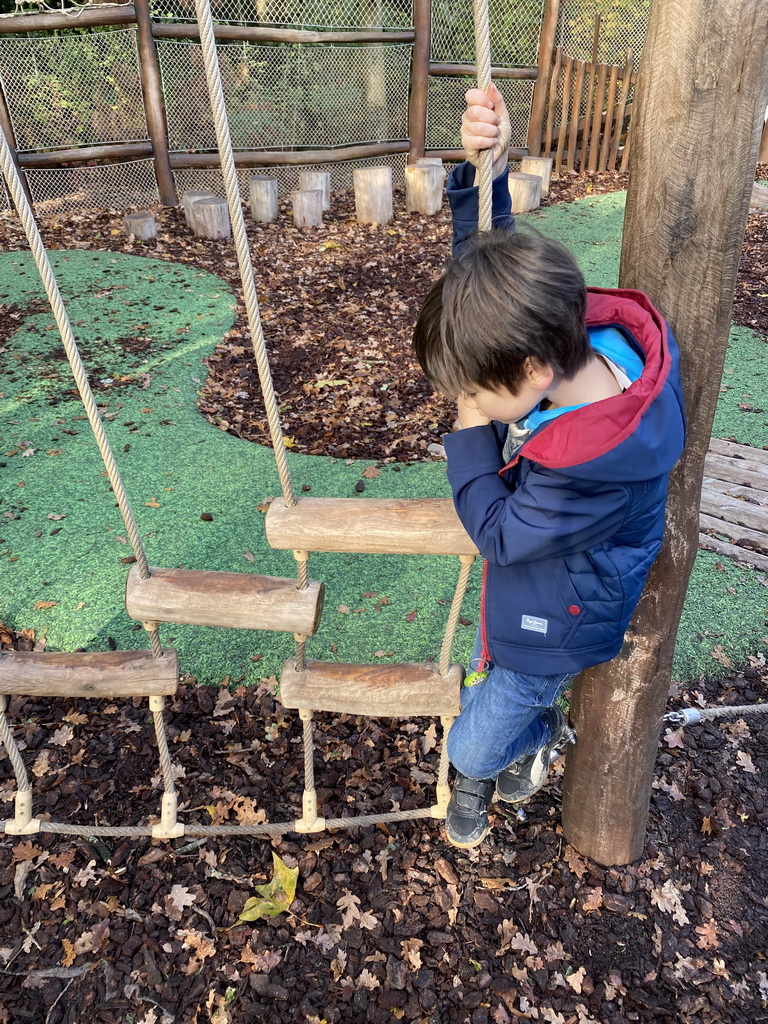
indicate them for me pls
(541, 165)
(141, 225)
(211, 218)
(188, 199)
(263, 193)
(373, 194)
(759, 198)
(424, 188)
(307, 209)
(429, 161)
(313, 181)
(525, 190)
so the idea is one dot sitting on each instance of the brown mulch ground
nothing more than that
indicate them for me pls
(390, 922)
(122, 930)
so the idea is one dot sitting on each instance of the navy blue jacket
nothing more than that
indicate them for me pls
(571, 526)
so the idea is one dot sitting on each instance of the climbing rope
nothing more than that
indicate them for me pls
(483, 58)
(226, 154)
(691, 716)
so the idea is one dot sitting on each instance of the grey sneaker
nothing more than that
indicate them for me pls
(525, 776)
(466, 820)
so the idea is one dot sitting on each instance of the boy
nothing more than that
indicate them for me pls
(571, 417)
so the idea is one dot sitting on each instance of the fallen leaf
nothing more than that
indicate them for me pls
(276, 896)
(576, 979)
(348, 904)
(371, 473)
(45, 604)
(594, 900)
(263, 962)
(154, 503)
(744, 760)
(707, 933)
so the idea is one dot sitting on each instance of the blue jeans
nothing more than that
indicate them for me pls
(500, 719)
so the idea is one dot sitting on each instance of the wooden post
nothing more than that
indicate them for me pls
(417, 101)
(320, 181)
(554, 78)
(525, 192)
(263, 193)
(541, 165)
(621, 110)
(141, 225)
(540, 89)
(153, 104)
(684, 252)
(424, 188)
(565, 113)
(211, 218)
(762, 154)
(373, 194)
(576, 115)
(591, 71)
(307, 208)
(7, 128)
(188, 200)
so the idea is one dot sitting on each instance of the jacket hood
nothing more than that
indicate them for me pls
(642, 431)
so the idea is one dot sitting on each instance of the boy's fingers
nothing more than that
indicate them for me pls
(477, 98)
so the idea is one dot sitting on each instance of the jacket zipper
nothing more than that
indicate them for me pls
(484, 652)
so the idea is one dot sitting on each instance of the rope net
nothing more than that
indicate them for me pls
(288, 97)
(514, 32)
(311, 14)
(73, 90)
(445, 106)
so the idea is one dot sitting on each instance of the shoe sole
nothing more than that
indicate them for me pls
(554, 754)
(467, 846)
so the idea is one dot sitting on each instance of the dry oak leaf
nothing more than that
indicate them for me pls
(62, 736)
(25, 851)
(744, 760)
(69, 953)
(348, 904)
(202, 947)
(576, 979)
(707, 933)
(338, 965)
(40, 605)
(667, 899)
(94, 939)
(263, 962)
(371, 472)
(177, 900)
(594, 900)
(576, 863)
(367, 980)
(513, 938)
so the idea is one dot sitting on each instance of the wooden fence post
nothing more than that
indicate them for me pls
(684, 253)
(7, 128)
(546, 53)
(417, 101)
(153, 104)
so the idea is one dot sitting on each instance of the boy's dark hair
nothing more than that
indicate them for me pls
(504, 298)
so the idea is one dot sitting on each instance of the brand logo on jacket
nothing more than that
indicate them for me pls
(534, 623)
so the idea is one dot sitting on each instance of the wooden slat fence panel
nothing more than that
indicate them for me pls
(586, 133)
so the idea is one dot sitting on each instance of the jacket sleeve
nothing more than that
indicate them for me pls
(548, 515)
(463, 196)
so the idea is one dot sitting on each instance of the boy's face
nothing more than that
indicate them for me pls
(501, 404)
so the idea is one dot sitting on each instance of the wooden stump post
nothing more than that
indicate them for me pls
(525, 190)
(424, 188)
(684, 252)
(188, 200)
(373, 194)
(307, 209)
(540, 165)
(263, 193)
(314, 181)
(211, 218)
(141, 225)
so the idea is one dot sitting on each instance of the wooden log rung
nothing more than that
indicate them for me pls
(232, 599)
(378, 691)
(89, 674)
(397, 526)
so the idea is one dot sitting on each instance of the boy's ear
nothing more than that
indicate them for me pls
(539, 375)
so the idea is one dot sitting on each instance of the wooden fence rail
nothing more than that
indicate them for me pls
(579, 112)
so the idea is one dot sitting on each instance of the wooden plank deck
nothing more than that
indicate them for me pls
(734, 503)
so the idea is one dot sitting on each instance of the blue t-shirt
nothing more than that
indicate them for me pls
(607, 342)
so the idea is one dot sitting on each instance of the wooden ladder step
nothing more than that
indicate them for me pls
(89, 674)
(379, 691)
(237, 600)
(396, 526)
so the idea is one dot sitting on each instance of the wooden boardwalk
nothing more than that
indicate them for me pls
(734, 503)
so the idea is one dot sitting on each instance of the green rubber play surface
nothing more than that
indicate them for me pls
(144, 327)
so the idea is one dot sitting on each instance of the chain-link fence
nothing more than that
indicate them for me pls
(446, 104)
(211, 180)
(514, 29)
(73, 90)
(311, 14)
(622, 26)
(105, 186)
(288, 97)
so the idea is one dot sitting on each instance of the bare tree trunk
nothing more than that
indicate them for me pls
(701, 92)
